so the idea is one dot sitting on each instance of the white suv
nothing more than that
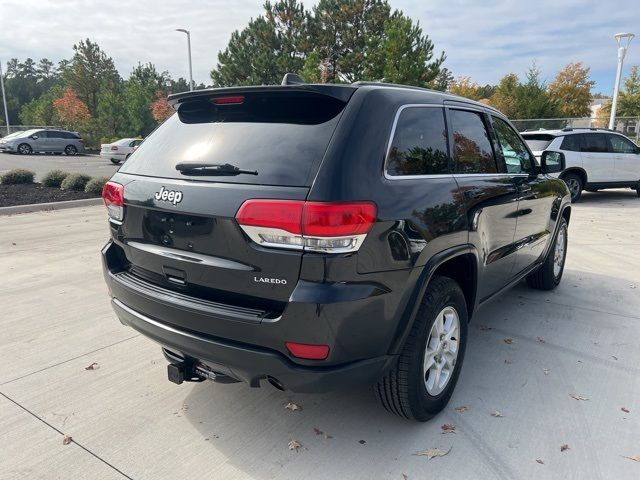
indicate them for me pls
(595, 158)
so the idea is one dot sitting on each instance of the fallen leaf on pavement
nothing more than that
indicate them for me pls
(93, 366)
(546, 371)
(577, 397)
(66, 440)
(404, 477)
(497, 414)
(362, 442)
(448, 428)
(327, 436)
(294, 445)
(433, 452)
(317, 431)
(292, 406)
(625, 410)
(508, 362)
(635, 458)
(461, 409)
(541, 340)
(564, 447)
(614, 357)
(508, 341)
(485, 327)
(539, 461)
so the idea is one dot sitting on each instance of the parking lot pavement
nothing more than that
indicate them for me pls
(92, 165)
(128, 421)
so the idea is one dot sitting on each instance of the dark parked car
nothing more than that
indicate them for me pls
(322, 236)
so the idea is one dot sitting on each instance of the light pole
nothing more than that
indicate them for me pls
(622, 51)
(189, 49)
(4, 100)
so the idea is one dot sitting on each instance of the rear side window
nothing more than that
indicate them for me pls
(419, 144)
(472, 145)
(571, 143)
(281, 135)
(594, 143)
(514, 151)
(538, 142)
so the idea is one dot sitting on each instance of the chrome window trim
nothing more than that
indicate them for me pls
(387, 175)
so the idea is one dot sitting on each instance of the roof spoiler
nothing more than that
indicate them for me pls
(291, 82)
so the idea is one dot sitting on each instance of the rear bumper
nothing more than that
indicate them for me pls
(252, 364)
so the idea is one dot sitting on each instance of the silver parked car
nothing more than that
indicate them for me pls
(43, 140)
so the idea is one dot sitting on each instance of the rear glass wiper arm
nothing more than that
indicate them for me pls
(212, 168)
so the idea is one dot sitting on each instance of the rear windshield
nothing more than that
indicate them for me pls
(538, 142)
(281, 135)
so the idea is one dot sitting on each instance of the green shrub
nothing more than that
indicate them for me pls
(54, 178)
(17, 176)
(75, 181)
(95, 185)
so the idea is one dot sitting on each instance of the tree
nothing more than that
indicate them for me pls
(72, 111)
(160, 108)
(505, 95)
(407, 54)
(90, 73)
(40, 111)
(533, 100)
(465, 87)
(571, 88)
(629, 99)
(443, 79)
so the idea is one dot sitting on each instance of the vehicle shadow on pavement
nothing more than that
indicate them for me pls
(607, 198)
(528, 352)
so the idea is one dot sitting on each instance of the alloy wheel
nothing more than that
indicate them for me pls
(441, 352)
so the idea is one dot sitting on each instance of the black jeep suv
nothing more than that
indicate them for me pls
(321, 236)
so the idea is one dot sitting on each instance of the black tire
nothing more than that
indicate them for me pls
(402, 390)
(115, 161)
(575, 185)
(638, 190)
(70, 150)
(545, 278)
(24, 149)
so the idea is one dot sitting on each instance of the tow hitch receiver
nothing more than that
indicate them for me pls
(183, 372)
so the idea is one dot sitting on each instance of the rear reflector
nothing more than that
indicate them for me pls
(307, 351)
(113, 198)
(230, 100)
(114, 147)
(313, 226)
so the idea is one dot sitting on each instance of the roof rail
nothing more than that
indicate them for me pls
(292, 79)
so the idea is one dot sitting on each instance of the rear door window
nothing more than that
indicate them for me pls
(419, 144)
(595, 143)
(281, 135)
(471, 143)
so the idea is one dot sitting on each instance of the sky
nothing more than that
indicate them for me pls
(482, 39)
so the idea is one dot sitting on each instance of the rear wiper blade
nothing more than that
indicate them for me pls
(205, 168)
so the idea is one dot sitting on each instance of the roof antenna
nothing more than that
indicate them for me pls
(291, 79)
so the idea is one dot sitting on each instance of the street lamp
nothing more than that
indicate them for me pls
(623, 39)
(4, 99)
(189, 50)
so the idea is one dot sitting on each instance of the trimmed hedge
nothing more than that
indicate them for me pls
(75, 181)
(95, 185)
(17, 177)
(54, 178)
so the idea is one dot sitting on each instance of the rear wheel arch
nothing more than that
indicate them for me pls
(576, 171)
(459, 263)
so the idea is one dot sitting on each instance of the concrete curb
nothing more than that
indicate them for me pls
(38, 207)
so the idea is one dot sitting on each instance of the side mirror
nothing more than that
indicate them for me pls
(552, 162)
(34, 137)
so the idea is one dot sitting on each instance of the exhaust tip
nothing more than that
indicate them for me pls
(276, 383)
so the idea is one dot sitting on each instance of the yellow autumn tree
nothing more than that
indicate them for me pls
(571, 89)
(465, 87)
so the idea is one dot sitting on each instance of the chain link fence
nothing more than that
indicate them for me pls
(629, 126)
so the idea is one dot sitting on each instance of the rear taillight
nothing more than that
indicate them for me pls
(313, 226)
(228, 100)
(113, 197)
(114, 148)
